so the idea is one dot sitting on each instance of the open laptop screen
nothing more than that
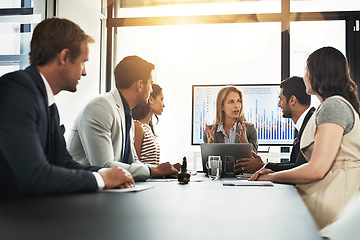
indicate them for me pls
(238, 150)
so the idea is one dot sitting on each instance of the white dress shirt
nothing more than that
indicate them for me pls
(232, 136)
(300, 121)
(51, 101)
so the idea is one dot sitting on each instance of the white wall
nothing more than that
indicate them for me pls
(86, 13)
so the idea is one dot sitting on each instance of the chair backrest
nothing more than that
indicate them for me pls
(347, 226)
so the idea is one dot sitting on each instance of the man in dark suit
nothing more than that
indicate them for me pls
(295, 104)
(33, 155)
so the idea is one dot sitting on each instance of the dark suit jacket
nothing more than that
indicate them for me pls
(296, 157)
(32, 160)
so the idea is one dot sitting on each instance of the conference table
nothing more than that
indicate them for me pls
(201, 209)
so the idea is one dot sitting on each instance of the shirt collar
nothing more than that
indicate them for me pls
(49, 92)
(125, 104)
(301, 119)
(221, 127)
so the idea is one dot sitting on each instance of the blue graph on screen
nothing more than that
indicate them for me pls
(260, 108)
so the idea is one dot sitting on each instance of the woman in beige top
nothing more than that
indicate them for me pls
(330, 141)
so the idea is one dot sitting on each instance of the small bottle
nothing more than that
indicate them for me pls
(183, 175)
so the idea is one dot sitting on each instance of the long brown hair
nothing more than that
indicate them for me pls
(330, 75)
(220, 102)
(140, 111)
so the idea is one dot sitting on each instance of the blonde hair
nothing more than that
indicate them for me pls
(220, 103)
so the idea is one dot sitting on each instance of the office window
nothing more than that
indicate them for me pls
(17, 20)
(185, 55)
(10, 38)
(207, 54)
(10, 4)
(132, 8)
(142, 3)
(324, 5)
(308, 36)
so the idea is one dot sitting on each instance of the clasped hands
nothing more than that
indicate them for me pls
(116, 177)
(165, 170)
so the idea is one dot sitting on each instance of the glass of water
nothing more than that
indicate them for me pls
(214, 166)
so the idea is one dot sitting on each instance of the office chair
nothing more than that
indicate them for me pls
(347, 226)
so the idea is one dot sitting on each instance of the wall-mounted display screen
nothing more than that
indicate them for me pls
(260, 108)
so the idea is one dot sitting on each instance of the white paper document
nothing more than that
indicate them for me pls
(248, 183)
(137, 188)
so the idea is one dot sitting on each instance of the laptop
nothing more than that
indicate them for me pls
(238, 150)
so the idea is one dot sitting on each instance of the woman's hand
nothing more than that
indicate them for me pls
(210, 133)
(261, 175)
(242, 134)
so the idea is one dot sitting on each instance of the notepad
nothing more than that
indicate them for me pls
(248, 183)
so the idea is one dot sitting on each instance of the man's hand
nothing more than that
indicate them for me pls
(164, 170)
(177, 166)
(249, 165)
(117, 177)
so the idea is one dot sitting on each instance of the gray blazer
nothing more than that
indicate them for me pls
(98, 136)
(251, 135)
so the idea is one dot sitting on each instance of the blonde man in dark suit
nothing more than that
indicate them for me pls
(33, 155)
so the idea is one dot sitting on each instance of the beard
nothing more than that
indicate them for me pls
(287, 113)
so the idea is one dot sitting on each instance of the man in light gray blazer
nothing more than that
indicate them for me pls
(103, 133)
